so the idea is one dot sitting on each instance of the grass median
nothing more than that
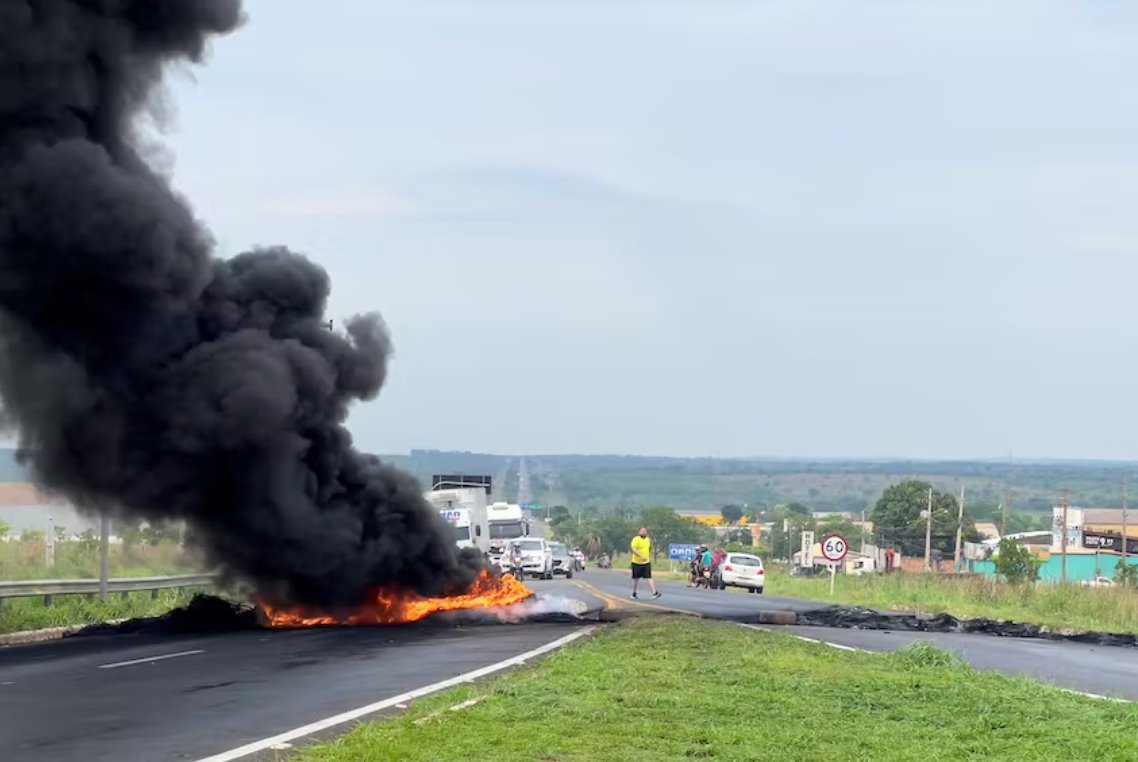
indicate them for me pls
(1060, 606)
(670, 688)
(18, 614)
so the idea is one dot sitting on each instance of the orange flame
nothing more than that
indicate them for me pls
(401, 607)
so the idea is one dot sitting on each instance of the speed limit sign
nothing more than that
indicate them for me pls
(834, 548)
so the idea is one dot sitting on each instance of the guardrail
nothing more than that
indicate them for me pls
(33, 588)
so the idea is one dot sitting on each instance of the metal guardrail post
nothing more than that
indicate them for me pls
(104, 556)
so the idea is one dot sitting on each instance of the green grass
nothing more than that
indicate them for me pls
(19, 614)
(675, 689)
(25, 559)
(1059, 606)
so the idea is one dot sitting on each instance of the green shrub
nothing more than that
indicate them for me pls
(1016, 564)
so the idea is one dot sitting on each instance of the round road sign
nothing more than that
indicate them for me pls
(834, 548)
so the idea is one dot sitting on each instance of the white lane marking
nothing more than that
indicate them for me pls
(378, 706)
(838, 646)
(456, 708)
(150, 659)
(1096, 696)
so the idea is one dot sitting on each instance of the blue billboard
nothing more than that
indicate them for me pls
(681, 552)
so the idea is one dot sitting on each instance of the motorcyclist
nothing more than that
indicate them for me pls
(516, 558)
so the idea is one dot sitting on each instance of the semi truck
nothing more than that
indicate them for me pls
(465, 510)
(507, 522)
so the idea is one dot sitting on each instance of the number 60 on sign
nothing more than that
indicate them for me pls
(835, 548)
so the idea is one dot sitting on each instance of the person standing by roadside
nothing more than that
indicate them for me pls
(641, 547)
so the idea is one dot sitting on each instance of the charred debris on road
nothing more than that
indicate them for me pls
(206, 614)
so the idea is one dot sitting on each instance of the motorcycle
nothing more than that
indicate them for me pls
(604, 562)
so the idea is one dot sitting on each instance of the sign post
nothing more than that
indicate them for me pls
(834, 550)
(680, 553)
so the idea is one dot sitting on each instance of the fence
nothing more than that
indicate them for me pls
(48, 588)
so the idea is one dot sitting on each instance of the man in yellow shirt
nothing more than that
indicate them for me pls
(642, 561)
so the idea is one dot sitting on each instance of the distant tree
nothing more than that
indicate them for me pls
(1016, 564)
(1126, 574)
(897, 517)
(5, 528)
(60, 533)
(1027, 522)
(667, 527)
(984, 511)
(740, 537)
(839, 525)
(732, 514)
(557, 514)
(800, 509)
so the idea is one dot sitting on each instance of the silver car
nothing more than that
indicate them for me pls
(563, 561)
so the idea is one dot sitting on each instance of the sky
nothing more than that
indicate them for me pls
(699, 227)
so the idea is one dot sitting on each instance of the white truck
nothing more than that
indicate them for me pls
(465, 511)
(507, 522)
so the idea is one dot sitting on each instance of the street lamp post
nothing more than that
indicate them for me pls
(928, 516)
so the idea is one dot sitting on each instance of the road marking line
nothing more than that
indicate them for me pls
(378, 706)
(604, 598)
(1097, 696)
(618, 603)
(150, 659)
(456, 708)
(839, 646)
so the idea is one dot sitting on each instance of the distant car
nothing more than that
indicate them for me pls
(563, 561)
(1098, 582)
(537, 557)
(740, 570)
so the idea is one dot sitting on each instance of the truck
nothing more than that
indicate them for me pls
(466, 511)
(507, 522)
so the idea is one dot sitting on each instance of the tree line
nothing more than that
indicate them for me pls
(896, 517)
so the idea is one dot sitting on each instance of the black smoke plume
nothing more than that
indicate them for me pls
(147, 377)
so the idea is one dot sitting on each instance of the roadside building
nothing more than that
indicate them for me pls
(24, 508)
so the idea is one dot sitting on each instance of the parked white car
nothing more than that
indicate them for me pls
(742, 570)
(1098, 582)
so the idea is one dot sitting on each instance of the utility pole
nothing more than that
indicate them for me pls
(49, 541)
(789, 552)
(1004, 514)
(1063, 540)
(957, 563)
(1124, 517)
(929, 534)
(104, 555)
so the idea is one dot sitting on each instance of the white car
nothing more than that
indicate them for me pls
(537, 557)
(742, 570)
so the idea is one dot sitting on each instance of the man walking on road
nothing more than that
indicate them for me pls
(642, 562)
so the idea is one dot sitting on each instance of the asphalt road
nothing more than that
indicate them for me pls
(83, 698)
(110, 698)
(1098, 670)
